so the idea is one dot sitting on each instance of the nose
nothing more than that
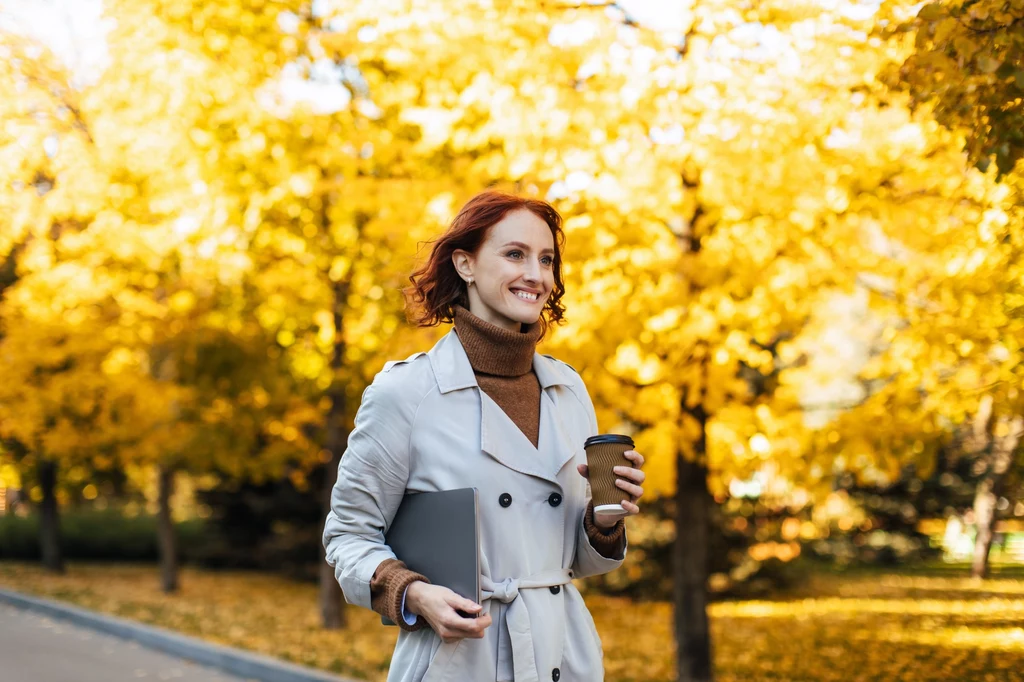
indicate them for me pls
(532, 273)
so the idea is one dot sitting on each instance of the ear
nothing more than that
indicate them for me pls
(463, 262)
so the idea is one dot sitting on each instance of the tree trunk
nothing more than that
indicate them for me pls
(984, 520)
(49, 518)
(690, 564)
(166, 534)
(332, 603)
(1004, 442)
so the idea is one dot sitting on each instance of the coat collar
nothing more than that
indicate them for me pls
(499, 436)
(452, 370)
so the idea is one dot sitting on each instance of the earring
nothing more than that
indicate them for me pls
(469, 281)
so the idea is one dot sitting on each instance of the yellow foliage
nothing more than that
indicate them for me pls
(720, 195)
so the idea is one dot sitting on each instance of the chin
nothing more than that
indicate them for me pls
(525, 317)
(522, 316)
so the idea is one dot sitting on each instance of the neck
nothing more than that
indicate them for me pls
(495, 350)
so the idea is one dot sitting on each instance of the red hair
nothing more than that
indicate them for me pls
(437, 287)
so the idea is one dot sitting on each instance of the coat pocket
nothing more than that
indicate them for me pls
(440, 667)
(583, 654)
(592, 627)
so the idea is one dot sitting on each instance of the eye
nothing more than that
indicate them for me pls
(547, 260)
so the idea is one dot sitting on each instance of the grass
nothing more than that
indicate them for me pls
(924, 625)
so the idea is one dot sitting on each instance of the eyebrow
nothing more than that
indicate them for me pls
(527, 248)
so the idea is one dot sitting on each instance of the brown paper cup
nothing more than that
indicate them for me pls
(604, 452)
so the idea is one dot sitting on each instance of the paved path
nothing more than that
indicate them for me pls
(36, 648)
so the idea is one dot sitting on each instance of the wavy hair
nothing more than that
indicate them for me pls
(436, 287)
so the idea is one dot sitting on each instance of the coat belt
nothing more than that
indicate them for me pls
(517, 620)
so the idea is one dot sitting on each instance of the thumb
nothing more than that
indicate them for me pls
(584, 470)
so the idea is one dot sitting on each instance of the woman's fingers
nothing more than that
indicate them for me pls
(456, 629)
(632, 474)
(584, 470)
(631, 488)
(458, 626)
(459, 602)
(441, 606)
(630, 481)
(635, 457)
(479, 625)
(473, 628)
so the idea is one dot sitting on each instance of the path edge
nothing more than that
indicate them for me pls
(236, 662)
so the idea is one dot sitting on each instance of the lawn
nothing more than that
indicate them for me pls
(849, 627)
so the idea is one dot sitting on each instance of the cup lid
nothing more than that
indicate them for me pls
(608, 438)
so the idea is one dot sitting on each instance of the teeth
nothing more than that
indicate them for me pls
(525, 296)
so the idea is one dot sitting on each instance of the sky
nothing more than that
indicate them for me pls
(73, 29)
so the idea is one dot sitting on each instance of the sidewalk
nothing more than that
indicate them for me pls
(47, 641)
(38, 648)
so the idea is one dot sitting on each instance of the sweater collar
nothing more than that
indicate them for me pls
(493, 350)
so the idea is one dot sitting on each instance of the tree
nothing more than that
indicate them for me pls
(966, 65)
(38, 208)
(156, 267)
(718, 179)
(948, 299)
(996, 440)
(705, 300)
(320, 214)
(182, 303)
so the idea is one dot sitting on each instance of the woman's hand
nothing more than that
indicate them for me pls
(438, 604)
(631, 481)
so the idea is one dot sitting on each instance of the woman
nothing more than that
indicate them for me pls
(482, 409)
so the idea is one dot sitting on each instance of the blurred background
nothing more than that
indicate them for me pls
(793, 267)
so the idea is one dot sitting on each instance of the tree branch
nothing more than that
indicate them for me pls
(990, 29)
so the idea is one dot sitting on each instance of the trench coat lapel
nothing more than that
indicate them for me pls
(500, 438)
(554, 438)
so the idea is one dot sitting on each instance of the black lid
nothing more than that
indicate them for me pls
(608, 438)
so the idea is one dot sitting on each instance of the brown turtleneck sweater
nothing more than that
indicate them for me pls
(503, 363)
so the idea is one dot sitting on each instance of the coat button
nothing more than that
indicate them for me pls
(555, 589)
(505, 500)
(555, 674)
(554, 499)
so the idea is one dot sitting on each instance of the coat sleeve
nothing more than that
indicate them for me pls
(372, 478)
(587, 561)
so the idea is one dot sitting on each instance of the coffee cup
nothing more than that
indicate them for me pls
(605, 452)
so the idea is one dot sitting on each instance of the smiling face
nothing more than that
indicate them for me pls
(512, 271)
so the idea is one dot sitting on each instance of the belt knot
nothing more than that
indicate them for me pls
(506, 591)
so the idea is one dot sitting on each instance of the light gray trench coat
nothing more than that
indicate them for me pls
(425, 425)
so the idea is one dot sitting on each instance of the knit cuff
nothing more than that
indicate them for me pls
(387, 587)
(609, 543)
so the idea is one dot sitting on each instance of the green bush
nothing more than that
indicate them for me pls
(93, 534)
